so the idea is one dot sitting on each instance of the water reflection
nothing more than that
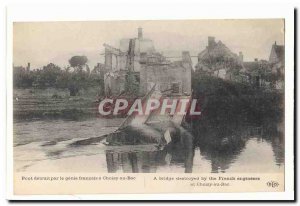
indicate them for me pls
(221, 151)
(149, 161)
(277, 143)
(223, 148)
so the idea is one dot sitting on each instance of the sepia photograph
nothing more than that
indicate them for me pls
(147, 101)
(159, 96)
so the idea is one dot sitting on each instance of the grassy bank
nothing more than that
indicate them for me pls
(225, 105)
(53, 103)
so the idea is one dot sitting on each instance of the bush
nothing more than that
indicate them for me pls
(52, 76)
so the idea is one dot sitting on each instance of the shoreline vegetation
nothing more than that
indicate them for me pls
(232, 113)
(73, 93)
(220, 100)
(53, 103)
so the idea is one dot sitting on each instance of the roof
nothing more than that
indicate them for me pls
(277, 53)
(218, 50)
(260, 66)
(279, 50)
(251, 65)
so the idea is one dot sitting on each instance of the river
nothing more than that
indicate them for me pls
(44, 146)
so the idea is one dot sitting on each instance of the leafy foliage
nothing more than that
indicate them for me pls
(132, 84)
(52, 75)
(78, 61)
(233, 102)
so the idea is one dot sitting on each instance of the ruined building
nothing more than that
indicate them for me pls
(129, 53)
(218, 60)
(138, 57)
(267, 74)
(173, 77)
(99, 70)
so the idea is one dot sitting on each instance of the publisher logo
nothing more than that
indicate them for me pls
(272, 184)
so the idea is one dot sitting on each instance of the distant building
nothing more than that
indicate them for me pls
(99, 70)
(277, 62)
(28, 66)
(241, 56)
(129, 54)
(222, 73)
(172, 77)
(267, 74)
(218, 60)
(277, 54)
(139, 57)
(119, 61)
(257, 72)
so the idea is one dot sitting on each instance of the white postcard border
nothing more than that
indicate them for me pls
(163, 11)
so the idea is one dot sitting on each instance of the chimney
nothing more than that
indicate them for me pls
(275, 43)
(140, 33)
(28, 66)
(241, 56)
(186, 57)
(211, 42)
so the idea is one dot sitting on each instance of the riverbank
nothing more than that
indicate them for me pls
(227, 105)
(236, 132)
(44, 146)
(53, 103)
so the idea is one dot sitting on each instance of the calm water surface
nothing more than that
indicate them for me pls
(44, 146)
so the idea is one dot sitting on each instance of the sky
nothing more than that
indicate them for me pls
(41, 43)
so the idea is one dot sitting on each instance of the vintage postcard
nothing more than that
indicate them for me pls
(149, 106)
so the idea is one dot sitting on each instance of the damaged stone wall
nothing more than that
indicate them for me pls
(173, 76)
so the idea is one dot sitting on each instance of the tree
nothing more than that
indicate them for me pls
(79, 79)
(131, 85)
(79, 62)
(22, 78)
(47, 77)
